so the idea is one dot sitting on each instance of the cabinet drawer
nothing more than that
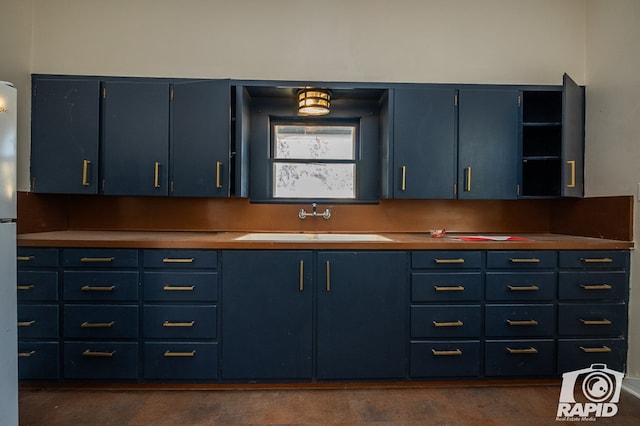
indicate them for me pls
(181, 286)
(185, 361)
(455, 358)
(448, 321)
(100, 360)
(37, 321)
(575, 354)
(521, 286)
(519, 320)
(101, 321)
(595, 319)
(101, 285)
(100, 258)
(454, 259)
(594, 259)
(520, 357)
(522, 259)
(598, 285)
(180, 322)
(446, 287)
(37, 285)
(40, 257)
(181, 259)
(38, 360)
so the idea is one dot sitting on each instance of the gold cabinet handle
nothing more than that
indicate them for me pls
(85, 172)
(525, 260)
(596, 286)
(97, 259)
(595, 322)
(178, 260)
(156, 175)
(448, 288)
(530, 350)
(467, 184)
(178, 324)
(328, 282)
(448, 324)
(26, 287)
(26, 354)
(601, 349)
(301, 278)
(87, 324)
(403, 185)
(98, 288)
(572, 165)
(218, 174)
(454, 352)
(523, 288)
(179, 288)
(170, 354)
(25, 258)
(90, 353)
(442, 261)
(26, 323)
(596, 260)
(522, 322)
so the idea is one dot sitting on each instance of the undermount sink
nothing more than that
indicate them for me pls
(310, 237)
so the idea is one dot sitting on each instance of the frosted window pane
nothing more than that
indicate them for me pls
(313, 180)
(314, 142)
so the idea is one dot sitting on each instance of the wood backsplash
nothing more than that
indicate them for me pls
(604, 217)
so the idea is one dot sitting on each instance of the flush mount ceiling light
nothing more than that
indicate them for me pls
(313, 101)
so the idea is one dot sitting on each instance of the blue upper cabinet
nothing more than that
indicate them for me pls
(65, 134)
(135, 144)
(572, 138)
(424, 144)
(488, 126)
(200, 139)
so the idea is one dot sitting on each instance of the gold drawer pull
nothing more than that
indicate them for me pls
(572, 182)
(174, 260)
(601, 349)
(178, 324)
(179, 354)
(403, 185)
(25, 258)
(97, 324)
(596, 287)
(97, 259)
(218, 174)
(179, 288)
(522, 322)
(156, 175)
(450, 288)
(97, 288)
(98, 354)
(525, 260)
(85, 170)
(26, 323)
(523, 288)
(530, 350)
(596, 260)
(26, 287)
(455, 352)
(301, 276)
(26, 354)
(595, 322)
(448, 324)
(441, 261)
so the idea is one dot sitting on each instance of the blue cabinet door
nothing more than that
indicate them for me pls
(64, 136)
(200, 139)
(572, 138)
(424, 144)
(135, 149)
(267, 315)
(488, 144)
(361, 327)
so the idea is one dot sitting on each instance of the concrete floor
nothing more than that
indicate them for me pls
(494, 405)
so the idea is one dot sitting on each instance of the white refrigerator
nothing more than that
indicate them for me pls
(8, 279)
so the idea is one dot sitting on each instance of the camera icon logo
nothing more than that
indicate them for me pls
(599, 392)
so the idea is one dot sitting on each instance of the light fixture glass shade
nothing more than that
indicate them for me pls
(313, 101)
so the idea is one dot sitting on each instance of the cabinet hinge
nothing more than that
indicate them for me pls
(104, 93)
(519, 101)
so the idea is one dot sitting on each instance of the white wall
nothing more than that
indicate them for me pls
(613, 123)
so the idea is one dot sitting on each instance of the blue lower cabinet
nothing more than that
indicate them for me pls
(37, 285)
(575, 354)
(38, 360)
(520, 320)
(101, 286)
(446, 321)
(100, 321)
(100, 360)
(521, 286)
(592, 319)
(180, 286)
(456, 358)
(446, 286)
(180, 322)
(520, 357)
(37, 321)
(181, 360)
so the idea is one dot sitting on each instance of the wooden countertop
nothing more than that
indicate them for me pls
(227, 240)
